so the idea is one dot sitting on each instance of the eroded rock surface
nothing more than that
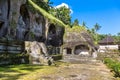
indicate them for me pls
(38, 53)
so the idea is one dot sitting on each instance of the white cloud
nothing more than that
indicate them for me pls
(66, 5)
(71, 11)
(61, 5)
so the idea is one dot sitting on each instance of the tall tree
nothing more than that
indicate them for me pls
(118, 34)
(44, 4)
(83, 24)
(62, 13)
(96, 27)
(118, 37)
(76, 22)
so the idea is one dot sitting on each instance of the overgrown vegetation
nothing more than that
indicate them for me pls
(75, 29)
(46, 14)
(114, 65)
(112, 61)
(42, 3)
(62, 13)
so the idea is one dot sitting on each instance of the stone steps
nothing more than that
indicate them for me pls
(79, 59)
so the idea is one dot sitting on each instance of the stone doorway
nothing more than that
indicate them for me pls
(69, 51)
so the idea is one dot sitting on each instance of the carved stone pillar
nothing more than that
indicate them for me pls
(73, 50)
(64, 51)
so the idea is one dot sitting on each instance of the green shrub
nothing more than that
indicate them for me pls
(57, 57)
(114, 65)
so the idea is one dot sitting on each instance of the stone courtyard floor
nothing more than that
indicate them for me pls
(62, 71)
(96, 71)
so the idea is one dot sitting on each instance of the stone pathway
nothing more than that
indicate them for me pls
(96, 71)
(80, 68)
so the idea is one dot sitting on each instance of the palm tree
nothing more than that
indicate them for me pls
(83, 24)
(118, 35)
(96, 27)
(76, 22)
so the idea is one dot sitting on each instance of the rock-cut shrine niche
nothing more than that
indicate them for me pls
(60, 33)
(38, 29)
(55, 35)
(23, 23)
(4, 15)
(52, 35)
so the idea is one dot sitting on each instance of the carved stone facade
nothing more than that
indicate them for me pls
(18, 23)
(4, 17)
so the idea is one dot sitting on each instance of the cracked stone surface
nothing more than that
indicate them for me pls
(83, 71)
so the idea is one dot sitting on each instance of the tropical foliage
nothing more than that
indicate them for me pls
(114, 65)
(44, 4)
(62, 16)
(76, 22)
(62, 13)
(46, 14)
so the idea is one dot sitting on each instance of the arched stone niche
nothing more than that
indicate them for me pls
(4, 16)
(55, 35)
(23, 26)
(60, 33)
(51, 35)
(38, 28)
(80, 48)
(52, 29)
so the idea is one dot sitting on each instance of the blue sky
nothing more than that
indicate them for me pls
(104, 12)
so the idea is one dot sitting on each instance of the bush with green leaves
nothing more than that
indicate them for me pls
(114, 65)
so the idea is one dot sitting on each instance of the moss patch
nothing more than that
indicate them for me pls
(27, 71)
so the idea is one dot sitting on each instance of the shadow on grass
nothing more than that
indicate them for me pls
(10, 77)
(13, 72)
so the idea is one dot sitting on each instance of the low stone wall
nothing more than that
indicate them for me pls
(12, 52)
(11, 46)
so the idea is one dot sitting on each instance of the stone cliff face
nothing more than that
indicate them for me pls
(25, 25)
(4, 16)
(19, 23)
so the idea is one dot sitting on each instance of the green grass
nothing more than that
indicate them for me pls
(27, 71)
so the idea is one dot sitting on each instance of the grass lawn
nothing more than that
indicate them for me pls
(26, 71)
